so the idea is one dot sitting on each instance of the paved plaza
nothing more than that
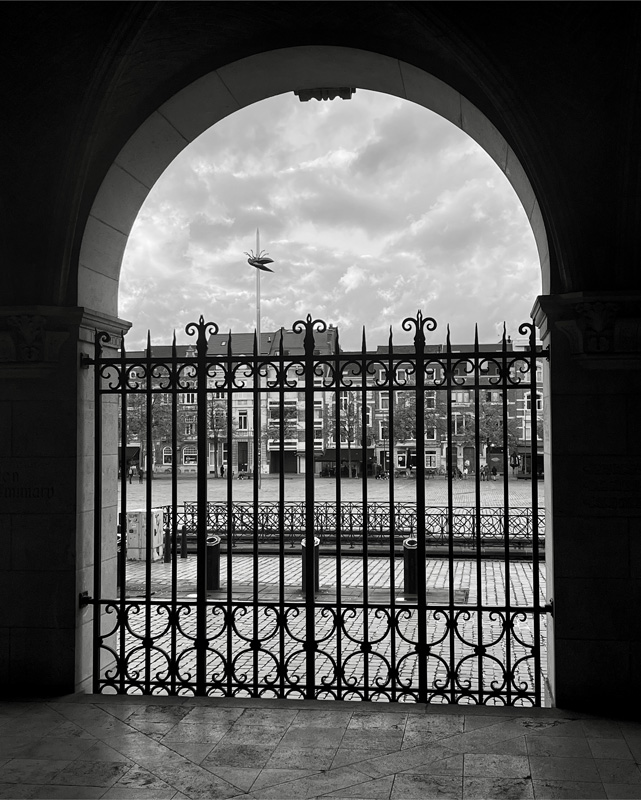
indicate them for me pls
(519, 492)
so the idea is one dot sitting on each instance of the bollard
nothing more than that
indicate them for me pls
(410, 565)
(167, 553)
(213, 563)
(183, 542)
(316, 565)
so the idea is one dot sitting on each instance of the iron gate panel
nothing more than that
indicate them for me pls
(377, 641)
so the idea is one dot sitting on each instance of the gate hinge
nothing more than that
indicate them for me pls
(84, 599)
(85, 361)
(549, 607)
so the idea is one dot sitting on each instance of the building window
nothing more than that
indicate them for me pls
(383, 430)
(430, 459)
(492, 397)
(430, 400)
(383, 401)
(190, 426)
(243, 420)
(188, 398)
(430, 433)
(167, 456)
(458, 423)
(460, 397)
(539, 402)
(190, 455)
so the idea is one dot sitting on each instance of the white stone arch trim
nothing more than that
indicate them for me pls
(217, 94)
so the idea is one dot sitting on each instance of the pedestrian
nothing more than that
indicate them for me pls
(131, 473)
(464, 473)
(222, 470)
(494, 473)
(141, 474)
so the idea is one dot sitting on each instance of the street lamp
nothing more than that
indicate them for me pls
(259, 260)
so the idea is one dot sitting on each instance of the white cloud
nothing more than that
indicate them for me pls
(371, 209)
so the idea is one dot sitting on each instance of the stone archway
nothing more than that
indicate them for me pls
(197, 107)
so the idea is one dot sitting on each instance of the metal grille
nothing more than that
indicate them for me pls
(223, 629)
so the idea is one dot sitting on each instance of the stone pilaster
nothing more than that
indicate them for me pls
(592, 454)
(46, 494)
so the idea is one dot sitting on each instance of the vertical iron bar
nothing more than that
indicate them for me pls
(365, 512)
(394, 677)
(255, 499)
(200, 368)
(421, 587)
(97, 515)
(450, 518)
(310, 600)
(228, 386)
(124, 380)
(281, 509)
(339, 521)
(536, 599)
(506, 519)
(148, 521)
(174, 512)
(477, 388)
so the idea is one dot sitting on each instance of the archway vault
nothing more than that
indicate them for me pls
(217, 94)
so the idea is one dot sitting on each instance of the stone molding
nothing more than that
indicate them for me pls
(603, 328)
(31, 337)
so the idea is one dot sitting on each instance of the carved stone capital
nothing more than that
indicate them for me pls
(603, 329)
(31, 337)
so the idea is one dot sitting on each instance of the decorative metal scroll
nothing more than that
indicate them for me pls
(407, 641)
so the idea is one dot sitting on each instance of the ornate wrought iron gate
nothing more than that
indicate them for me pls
(390, 636)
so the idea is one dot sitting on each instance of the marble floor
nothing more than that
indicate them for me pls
(90, 746)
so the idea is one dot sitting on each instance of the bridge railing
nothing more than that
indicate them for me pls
(353, 520)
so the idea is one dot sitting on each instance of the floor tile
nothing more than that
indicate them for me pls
(252, 735)
(561, 746)
(497, 789)
(238, 755)
(139, 778)
(194, 781)
(197, 732)
(52, 749)
(321, 719)
(618, 770)
(381, 739)
(419, 787)
(324, 737)
(191, 751)
(384, 720)
(444, 766)
(353, 755)
(561, 728)
(314, 785)
(379, 789)
(610, 748)
(483, 765)
(91, 773)
(551, 789)
(271, 777)
(405, 760)
(622, 791)
(602, 729)
(157, 713)
(215, 714)
(31, 770)
(118, 792)
(313, 758)
(242, 778)
(100, 751)
(564, 769)
(55, 792)
(473, 723)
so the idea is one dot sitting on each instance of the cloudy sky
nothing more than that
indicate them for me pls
(371, 209)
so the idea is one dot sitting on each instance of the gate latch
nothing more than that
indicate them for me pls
(84, 599)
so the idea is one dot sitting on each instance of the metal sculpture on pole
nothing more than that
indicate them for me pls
(259, 260)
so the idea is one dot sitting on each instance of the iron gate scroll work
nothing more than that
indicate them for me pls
(379, 642)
